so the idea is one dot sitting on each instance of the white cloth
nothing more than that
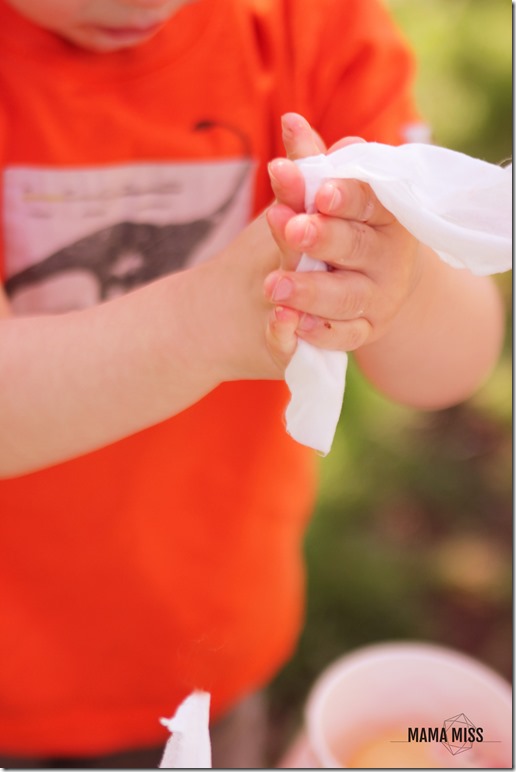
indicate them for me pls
(459, 206)
(189, 746)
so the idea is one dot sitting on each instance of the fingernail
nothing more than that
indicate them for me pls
(302, 230)
(307, 323)
(279, 313)
(286, 129)
(273, 166)
(285, 315)
(309, 234)
(332, 195)
(283, 289)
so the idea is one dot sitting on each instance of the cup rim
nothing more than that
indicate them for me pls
(389, 650)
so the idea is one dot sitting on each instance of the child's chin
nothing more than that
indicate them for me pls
(107, 40)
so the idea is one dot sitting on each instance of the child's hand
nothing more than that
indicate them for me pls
(374, 261)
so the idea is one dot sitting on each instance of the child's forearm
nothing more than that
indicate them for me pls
(444, 341)
(73, 383)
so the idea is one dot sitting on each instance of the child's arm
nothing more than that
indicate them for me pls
(424, 333)
(74, 382)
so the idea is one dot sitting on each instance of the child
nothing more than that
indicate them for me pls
(153, 506)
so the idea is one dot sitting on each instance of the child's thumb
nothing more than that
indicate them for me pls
(299, 138)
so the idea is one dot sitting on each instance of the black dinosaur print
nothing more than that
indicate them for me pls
(128, 254)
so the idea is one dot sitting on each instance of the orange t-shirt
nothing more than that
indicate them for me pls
(170, 560)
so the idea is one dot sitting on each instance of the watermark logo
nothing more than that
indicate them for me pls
(462, 733)
(457, 734)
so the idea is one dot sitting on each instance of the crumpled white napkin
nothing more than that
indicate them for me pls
(457, 205)
(189, 747)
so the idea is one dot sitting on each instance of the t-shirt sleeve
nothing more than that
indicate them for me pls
(356, 72)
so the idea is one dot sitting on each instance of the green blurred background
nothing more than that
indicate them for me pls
(412, 537)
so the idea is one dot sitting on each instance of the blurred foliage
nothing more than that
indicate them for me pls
(412, 537)
(464, 79)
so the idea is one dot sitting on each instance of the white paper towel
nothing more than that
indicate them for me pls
(459, 206)
(189, 746)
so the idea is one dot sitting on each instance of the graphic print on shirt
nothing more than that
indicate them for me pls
(76, 237)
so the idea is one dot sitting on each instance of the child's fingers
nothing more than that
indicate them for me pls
(340, 243)
(287, 183)
(334, 335)
(339, 295)
(281, 334)
(278, 216)
(352, 200)
(286, 325)
(299, 138)
(344, 142)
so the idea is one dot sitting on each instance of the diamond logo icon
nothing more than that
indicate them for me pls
(458, 731)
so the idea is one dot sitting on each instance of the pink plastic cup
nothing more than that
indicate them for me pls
(406, 694)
